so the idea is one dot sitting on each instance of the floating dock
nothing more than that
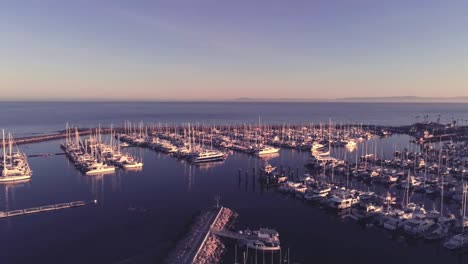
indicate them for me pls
(45, 208)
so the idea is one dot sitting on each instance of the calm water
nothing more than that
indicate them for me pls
(172, 192)
(40, 117)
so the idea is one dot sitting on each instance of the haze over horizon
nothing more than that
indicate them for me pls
(220, 50)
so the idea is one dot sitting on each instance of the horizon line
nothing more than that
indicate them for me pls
(387, 99)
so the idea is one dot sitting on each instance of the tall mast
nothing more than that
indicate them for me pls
(10, 145)
(442, 188)
(4, 152)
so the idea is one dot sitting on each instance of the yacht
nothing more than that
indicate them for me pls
(266, 150)
(132, 164)
(263, 239)
(128, 162)
(98, 168)
(208, 156)
(352, 143)
(319, 193)
(262, 246)
(317, 147)
(417, 225)
(343, 202)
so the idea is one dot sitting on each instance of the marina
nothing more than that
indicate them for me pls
(325, 176)
(326, 131)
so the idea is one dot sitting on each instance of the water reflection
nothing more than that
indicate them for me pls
(8, 192)
(189, 170)
(270, 156)
(209, 165)
(99, 182)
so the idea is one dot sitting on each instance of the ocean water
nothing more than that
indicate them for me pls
(171, 192)
(25, 118)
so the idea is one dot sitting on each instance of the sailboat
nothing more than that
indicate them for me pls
(459, 241)
(15, 166)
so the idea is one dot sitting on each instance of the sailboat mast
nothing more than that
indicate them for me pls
(10, 145)
(4, 152)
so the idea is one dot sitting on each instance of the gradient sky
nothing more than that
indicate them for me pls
(216, 49)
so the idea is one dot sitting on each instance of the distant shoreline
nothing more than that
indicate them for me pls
(396, 99)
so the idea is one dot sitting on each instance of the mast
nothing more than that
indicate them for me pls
(442, 188)
(10, 145)
(463, 209)
(4, 154)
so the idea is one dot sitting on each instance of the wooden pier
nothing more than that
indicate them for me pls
(45, 208)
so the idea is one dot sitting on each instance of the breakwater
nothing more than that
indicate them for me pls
(199, 245)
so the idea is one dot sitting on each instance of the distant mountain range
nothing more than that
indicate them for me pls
(391, 99)
(404, 99)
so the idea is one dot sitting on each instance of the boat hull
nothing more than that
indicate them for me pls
(15, 178)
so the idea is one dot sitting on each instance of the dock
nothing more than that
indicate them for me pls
(45, 208)
(232, 234)
(46, 154)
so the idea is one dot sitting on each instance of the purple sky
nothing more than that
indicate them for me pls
(159, 50)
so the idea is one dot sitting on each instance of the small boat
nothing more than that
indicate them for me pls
(269, 169)
(456, 242)
(263, 239)
(392, 223)
(436, 232)
(262, 246)
(266, 150)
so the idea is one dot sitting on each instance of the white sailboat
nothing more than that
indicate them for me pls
(15, 166)
(459, 241)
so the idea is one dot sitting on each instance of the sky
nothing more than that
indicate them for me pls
(221, 50)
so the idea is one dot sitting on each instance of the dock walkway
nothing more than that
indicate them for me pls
(42, 209)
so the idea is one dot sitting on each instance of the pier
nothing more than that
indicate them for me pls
(42, 209)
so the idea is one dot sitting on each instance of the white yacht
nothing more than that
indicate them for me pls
(266, 150)
(262, 246)
(208, 156)
(263, 239)
(98, 168)
(317, 147)
(352, 143)
(346, 202)
(128, 162)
